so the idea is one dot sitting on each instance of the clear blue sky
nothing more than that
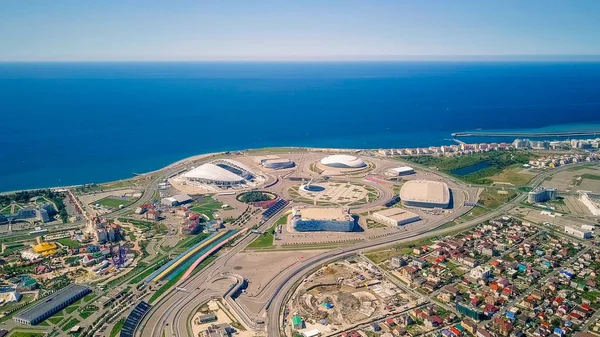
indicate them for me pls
(109, 30)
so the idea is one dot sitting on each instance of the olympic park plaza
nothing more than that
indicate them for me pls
(329, 196)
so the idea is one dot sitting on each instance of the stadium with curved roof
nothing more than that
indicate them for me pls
(425, 193)
(219, 172)
(343, 161)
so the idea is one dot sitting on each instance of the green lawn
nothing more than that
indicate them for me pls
(55, 319)
(266, 239)
(513, 175)
(176, 279)
(263, 240)
(282, 220)
(26, 334)
(497, 163)
(138, 223)
(71, 308)
(491, 199)
(86, 313)
(88, 298)
(206, 206)
(446, 225)
(117, 328)
(70, 324)
(165, 287)
(142, 276)
(113, 202)
(590, 176)
(188, 243)
(69, 242)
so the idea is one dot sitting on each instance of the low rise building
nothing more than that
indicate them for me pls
(9, 295)
(578, 232)
(481, 272)
(395, 216)
(52, 304)
(176, 200)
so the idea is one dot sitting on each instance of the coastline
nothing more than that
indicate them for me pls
(179, 163)
(475, 138)
(197, 157)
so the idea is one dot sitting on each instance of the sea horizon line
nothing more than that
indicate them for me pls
(342, 59)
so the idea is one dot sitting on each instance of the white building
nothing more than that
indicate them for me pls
(481, 272)
(221, 172)
(176, 200)
(578, 232)
(395, 216)
(311, 333)
(521, 143)
(30, 255)
(343, 161)
(400, 171)
(591, 201)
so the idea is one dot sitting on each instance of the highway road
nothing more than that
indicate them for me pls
(279, 299)
(174, 310)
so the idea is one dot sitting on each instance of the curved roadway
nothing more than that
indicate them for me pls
(172, 313)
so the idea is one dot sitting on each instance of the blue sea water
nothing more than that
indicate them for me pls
(73, 123)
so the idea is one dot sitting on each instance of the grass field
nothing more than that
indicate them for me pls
(69, 242)
(142, 276)
(266, 239)
(513, 175)
(70, 324)
(496, 163)
(447, 225)
(86, 313)
(117, 328)
(113, 202)
(188, 243)
(164, 288)
(206, 206)
(489, 199)
(590, 176)
(89, 297)
(27, 334)
(263, 240)
(138, 223)
(402, 249)
(71, 308)
(57, 318)
(577, 168)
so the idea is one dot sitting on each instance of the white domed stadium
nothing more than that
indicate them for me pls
(343, 161)
(219, 172)
(425, 193)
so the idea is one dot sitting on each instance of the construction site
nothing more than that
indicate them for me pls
(341, 295)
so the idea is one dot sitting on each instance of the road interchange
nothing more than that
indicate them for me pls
(173, 312)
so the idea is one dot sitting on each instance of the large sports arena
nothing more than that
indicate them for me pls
(343, 161)
(425, 193)
(313, 219)
(222, 172)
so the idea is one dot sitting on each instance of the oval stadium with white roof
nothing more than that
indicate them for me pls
(343, 161)
(220, 173)
(425, 193)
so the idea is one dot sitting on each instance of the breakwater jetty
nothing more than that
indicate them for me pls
(526, 134)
